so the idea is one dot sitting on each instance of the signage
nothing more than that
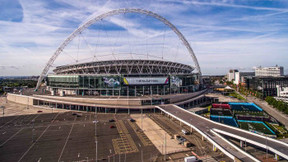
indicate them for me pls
(145, 81)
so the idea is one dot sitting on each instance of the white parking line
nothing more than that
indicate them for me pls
(37, 138)
(4, 133)
(78, 155)
(10, 121)
(11, 137)
(67, 140)
(39, 159)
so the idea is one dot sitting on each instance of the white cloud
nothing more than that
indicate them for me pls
(213, 36)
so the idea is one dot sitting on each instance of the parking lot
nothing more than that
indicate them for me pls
(70, 136)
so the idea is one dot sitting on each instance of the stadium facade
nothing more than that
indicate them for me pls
(123, 78)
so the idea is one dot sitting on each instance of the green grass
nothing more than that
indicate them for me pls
(254, 127)
(239, 97)
(252, 113)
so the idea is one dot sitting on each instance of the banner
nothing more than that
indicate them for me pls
(145, 81)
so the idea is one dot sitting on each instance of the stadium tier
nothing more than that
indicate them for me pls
(123, 78)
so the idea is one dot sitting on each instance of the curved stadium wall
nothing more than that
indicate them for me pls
(123, 78)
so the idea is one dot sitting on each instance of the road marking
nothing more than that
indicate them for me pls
(37, 139)
(39, 159)
(78, 155)
(67, 139)
(11, 137)
(15, 133)
(10, 121)
(4, 133)
(110, 151)
(139, 144)
(84, 125)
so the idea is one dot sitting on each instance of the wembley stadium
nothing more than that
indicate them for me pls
(123, 78)
(119, 83)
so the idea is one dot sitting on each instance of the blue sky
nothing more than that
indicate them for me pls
(224, 34)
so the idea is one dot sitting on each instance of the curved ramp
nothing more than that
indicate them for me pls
(208, 128)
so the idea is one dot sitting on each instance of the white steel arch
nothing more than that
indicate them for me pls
(111, 13)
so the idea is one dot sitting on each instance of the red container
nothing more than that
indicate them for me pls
(222, 106)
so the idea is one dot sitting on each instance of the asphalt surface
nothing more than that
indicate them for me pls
(67, 137)
(205, 126)
(201, 148)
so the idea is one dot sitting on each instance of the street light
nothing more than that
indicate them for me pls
(96, 142)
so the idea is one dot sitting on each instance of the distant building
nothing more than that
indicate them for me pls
(266, 85)
(282, 91)
(240, 77)
(231, 75)
(269, 71)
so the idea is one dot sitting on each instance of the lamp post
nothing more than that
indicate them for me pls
(266, 150)
(96, 142)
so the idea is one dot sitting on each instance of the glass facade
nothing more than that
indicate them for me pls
(117, 85)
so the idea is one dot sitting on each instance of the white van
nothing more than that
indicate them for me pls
(190, 159)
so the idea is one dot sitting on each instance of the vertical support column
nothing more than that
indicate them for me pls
(154, 110)
(129, 111)
(203, 139)
(105, 110)
(115, 110)
(70, 107)
(180, 123)
(191, 130)
(78, 107)
(157, 90)
(241, 143)
(135, 91)
(56, 105)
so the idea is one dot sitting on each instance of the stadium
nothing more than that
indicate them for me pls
(123, 78)
(119, 83)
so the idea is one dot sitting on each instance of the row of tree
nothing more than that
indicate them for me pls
(244, 91)
(280, 105)
(14, 83)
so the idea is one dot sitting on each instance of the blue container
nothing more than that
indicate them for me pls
(228, 120)
(244, 106)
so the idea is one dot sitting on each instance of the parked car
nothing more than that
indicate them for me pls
(112, 126)
(39, 111)
(111, 120)
(132, 120)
